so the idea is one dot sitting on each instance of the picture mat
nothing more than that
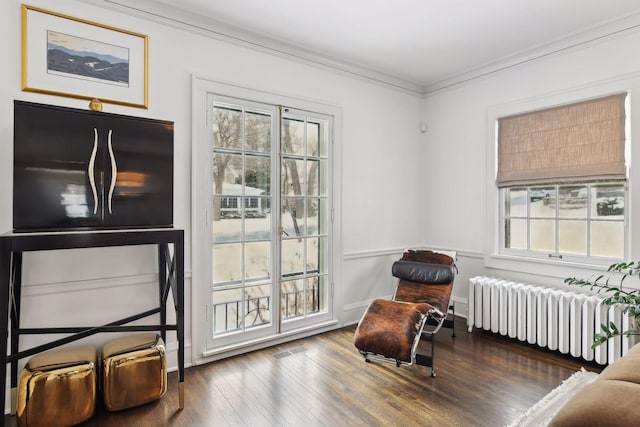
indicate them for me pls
(38, 80)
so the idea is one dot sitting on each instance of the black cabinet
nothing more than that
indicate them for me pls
(78, 169)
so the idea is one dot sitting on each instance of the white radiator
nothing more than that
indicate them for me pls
(558, 319)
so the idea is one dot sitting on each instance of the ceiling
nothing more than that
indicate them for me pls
(421, 45)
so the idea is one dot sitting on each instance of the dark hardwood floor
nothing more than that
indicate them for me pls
(482, 380)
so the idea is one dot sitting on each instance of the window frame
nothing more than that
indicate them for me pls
(202, 175)
(518, 262)
(557, 218)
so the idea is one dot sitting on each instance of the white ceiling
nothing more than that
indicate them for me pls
(423, 44)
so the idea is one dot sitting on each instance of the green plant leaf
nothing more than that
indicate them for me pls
(611, 284)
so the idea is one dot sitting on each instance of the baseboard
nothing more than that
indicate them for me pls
(461, 306)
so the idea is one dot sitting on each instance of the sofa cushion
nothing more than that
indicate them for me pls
(602, 403)
(613, 399)
(626, 368)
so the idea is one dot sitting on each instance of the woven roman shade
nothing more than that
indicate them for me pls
(582, 142)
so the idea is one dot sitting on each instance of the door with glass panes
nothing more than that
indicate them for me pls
(270, 221)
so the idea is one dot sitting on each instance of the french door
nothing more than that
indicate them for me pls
(270, 221)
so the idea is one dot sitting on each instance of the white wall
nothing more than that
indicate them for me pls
(400, 188)
(457, 141)
(382, 186)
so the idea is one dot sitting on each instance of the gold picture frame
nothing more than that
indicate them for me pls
(67, 56)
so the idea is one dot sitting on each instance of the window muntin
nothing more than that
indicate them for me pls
(241, 297)
(263, 264)
(559, 221)
(304, 216)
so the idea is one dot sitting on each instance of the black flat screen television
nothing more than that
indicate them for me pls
(77, 170)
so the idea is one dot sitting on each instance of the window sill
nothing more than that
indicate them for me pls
(545, 267)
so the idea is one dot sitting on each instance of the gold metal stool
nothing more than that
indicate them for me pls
(134, 371)
(58, 387)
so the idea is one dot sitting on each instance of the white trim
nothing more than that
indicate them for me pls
(462, 306)
(38, 289)
(264, 95)
(234, 350)
(171, 349)
(374, 253)
(398, 252)
(184, 20)
(592, 36)
(361, 305)
(217, 30)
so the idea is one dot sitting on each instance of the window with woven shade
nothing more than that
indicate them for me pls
(563, 178)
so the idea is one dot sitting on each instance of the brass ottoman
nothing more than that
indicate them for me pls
(134, 371)
(58, 387)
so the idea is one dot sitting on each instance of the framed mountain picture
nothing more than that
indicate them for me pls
(67, 56)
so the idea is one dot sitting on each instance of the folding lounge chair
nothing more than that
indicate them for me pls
(391, 330)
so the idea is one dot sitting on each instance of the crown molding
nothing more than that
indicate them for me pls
(210, 27)
(178, 18)
(591, 36)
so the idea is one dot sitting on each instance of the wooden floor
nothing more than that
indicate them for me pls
(482, 380)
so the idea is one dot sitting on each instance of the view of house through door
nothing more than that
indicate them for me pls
(271, 221)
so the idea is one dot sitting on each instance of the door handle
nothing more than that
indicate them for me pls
(114, 172)
(91, 172)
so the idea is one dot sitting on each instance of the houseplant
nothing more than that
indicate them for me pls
(611, 284)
